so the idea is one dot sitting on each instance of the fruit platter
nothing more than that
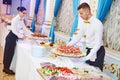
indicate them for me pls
(47, 44)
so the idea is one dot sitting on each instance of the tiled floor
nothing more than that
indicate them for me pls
(4, 76)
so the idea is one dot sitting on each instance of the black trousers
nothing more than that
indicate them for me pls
(9, 49)
(99, 60)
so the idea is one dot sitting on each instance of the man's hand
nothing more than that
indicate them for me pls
(68, 44)
(24, 36)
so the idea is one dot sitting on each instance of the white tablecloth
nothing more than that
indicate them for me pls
(22, 62)
(4, 30)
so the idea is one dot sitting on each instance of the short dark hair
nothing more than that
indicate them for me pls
(21, 9)
(84, 6)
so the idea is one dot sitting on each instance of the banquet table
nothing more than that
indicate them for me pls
(24, 62)
(29, 55)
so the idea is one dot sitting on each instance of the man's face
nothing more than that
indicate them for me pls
(84, 13)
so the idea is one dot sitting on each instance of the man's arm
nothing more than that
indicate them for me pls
(76, 37)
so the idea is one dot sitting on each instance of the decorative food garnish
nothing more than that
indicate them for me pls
(42, 43)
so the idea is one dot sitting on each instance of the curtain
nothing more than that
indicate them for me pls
(76, 3)
(44, 11)
(43, 19)
(103, 8)
(56, 9)
(35, 14)
(40, 14)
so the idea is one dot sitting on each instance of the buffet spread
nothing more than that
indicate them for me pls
(51, 71)
(64, 54)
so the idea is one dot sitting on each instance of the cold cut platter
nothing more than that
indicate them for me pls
(68, 51)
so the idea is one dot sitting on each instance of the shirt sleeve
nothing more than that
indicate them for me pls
(26, 31)
(76, 37)
(97, 45)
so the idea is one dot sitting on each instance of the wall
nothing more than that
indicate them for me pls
(112, 41)
(0, 5)
(3, 8)
(64, 20)
(112, 27)
(16, 3)
(65, 17)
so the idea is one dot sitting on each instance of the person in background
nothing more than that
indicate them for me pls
(17, 30)
(92, 29)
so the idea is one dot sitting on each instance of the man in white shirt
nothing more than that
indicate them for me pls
(92, 29)
(18, 30)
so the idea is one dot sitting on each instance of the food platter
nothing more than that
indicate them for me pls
(46, 43)
(73, 54)
(68, 54)
(50, 71)
(39, 37)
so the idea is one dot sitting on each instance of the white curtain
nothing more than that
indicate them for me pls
(49, 10)
(32, 7)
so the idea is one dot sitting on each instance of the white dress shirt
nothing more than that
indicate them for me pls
(94, 33)
(18, 27)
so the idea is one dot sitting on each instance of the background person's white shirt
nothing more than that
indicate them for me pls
(18, 27)
(94, 34)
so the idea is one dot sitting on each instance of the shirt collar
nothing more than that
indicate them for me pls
(89, 20)
(19, 17)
